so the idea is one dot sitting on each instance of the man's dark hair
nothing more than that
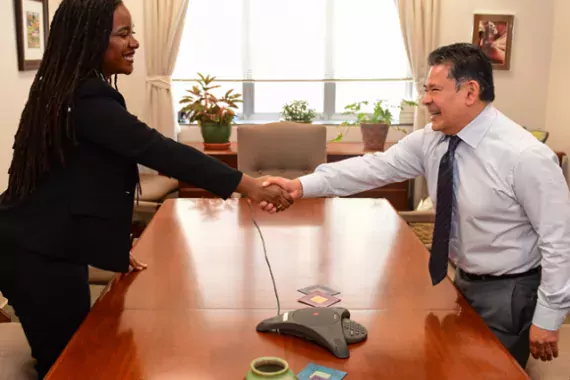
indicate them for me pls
(75, 50)
(466, 62)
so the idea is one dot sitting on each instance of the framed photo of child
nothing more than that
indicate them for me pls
(494, 34)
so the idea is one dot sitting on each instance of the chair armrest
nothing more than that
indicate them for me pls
(4, 318)
(99, 276)
(418, 216)
(3, 301)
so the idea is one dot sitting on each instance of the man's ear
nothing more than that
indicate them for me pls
(473, 91)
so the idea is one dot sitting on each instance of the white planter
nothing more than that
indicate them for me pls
(407, 114)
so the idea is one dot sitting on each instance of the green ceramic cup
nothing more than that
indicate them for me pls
(270, 368)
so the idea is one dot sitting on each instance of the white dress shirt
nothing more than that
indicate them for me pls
(512, 207)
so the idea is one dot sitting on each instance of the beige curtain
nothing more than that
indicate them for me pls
(419, 21)
(163, 26)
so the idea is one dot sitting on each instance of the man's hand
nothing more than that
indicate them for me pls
(291, 186)
(543, 343)
(273, 197)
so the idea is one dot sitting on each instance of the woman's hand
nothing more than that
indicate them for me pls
(275, 197)
(136, 265)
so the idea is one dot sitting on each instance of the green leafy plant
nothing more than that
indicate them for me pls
(381, 114)
(299, 111)
(205, 107)
(409, 102)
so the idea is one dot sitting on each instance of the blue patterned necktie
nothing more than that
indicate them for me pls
(440, 244)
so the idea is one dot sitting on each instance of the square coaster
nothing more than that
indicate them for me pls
(319, 288)
(319, 299)
(318, 372)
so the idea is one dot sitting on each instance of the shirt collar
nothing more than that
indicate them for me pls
(473, 132)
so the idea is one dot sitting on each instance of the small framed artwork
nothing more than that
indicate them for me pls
(32, 20)
(494, 34)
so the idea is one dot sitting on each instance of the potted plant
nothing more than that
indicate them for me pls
(374, 127)
(407, 111)
(214, 115)
(298, 111)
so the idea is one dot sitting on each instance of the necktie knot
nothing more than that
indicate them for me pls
(453, 142)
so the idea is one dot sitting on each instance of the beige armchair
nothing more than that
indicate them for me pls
(16, 362)
(422, 223)
(155, 189)
(3, 301)
(282, 149)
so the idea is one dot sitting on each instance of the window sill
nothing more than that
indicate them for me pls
(331, 123)
(190, 132)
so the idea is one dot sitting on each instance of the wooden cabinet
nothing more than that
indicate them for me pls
(398, 194)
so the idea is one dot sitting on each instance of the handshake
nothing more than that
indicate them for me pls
(272, 194)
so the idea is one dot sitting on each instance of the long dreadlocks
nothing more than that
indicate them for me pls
(77, 42)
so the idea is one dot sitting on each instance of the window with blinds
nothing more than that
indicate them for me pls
(328, 52)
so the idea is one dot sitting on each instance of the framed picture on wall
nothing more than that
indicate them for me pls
(494, 34)
(32, 20)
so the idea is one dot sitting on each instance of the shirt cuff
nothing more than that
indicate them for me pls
(312, 185)
(547, 318)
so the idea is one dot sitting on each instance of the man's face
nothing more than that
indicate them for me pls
(446, 105)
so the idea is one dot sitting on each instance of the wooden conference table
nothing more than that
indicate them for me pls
(192, 314)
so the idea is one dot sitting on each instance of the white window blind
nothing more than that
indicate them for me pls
(328, 52)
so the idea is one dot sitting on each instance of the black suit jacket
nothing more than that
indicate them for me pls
(82, 210)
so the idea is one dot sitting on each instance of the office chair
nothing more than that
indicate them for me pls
(155, 189)
(16, 362)
(284, 149)
(541, 135)
(3, 301)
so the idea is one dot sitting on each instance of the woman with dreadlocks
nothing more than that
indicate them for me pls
(74, 173)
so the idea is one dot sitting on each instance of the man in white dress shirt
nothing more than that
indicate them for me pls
(502, 203)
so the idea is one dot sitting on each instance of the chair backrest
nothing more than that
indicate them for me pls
(282, 149)
(16, 362)
(3, 301)
(541, 135)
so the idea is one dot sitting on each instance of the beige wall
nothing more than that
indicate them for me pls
(133, 86)
(521, 93)
(13, 89)
(557, 123)
(535, 86)
(15, 85)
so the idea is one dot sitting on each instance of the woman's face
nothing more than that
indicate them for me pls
(120, 55)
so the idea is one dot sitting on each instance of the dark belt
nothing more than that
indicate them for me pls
(488, 277)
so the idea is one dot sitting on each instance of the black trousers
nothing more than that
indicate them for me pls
(507, 306)
(50, 297)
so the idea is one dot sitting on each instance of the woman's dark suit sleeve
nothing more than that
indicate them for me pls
(103, 121)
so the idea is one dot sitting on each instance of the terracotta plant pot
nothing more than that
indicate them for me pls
(216, 136)
(374, 135)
